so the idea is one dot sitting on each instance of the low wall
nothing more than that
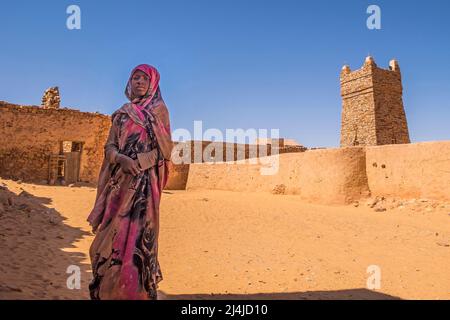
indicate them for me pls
(336, 176)
(330, 176)
(419, 170)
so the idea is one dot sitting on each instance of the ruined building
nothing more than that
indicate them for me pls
(48, 144)
(372, 106)
(51, 98)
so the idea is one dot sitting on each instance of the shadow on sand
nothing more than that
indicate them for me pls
(351, 294)
(37, 250)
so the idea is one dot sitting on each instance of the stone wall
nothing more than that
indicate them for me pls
(372, 106)
(30, 134)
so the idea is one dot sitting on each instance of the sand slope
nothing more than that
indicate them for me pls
(223, 244)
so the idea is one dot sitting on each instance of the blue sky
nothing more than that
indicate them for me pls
(232, 64)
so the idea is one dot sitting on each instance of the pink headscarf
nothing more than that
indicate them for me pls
(153, 74)
(151, 104)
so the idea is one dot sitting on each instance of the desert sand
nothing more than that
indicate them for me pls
(237, 245)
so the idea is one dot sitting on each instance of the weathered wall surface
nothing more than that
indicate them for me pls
(358, 110)
(331, 176)
(391, 123)
(420, 170)
(334, 176)
(29, 134)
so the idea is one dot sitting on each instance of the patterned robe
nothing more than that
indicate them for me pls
(125, 217)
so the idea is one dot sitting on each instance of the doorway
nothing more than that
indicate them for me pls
(72, 153)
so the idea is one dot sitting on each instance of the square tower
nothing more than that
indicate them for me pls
(372, 106)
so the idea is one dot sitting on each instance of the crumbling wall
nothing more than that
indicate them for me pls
(29, 134)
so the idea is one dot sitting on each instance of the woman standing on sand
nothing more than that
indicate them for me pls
(125, 217)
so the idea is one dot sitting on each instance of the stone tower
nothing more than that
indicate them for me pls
(372, 106)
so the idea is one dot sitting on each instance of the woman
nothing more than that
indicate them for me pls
(125, 217)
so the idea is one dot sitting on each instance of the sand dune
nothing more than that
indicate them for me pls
(235, 245)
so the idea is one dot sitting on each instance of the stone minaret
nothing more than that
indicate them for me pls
(372, 106)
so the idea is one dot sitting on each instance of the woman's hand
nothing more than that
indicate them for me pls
(128, 165)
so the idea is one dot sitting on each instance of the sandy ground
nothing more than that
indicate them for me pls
(222, 244)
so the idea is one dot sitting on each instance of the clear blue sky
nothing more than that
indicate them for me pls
(234, 63)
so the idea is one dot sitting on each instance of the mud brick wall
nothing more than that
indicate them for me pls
(328, 176)
(416, 170)
(29, 134)
(372, 106)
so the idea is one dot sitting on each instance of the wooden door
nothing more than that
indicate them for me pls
(72, 167)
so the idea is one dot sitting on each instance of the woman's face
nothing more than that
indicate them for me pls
(139, 83)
